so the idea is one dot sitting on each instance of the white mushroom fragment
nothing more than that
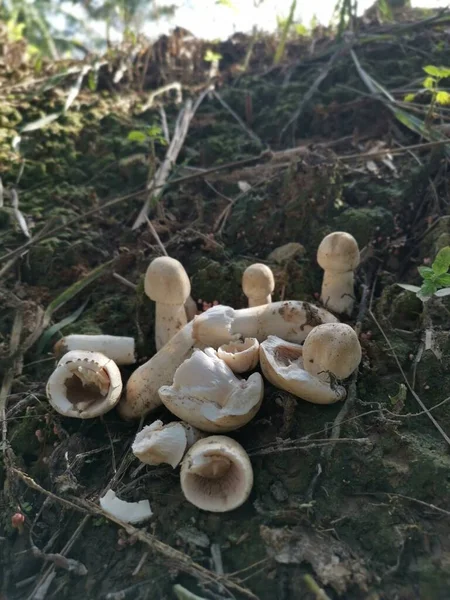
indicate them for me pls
(338, 255)
(216, 474)
(282, 364)
(208, 395)
(118, 348)
(166, 282)
(157, 443)
(219, 325)
(240, 355)
(84, 385)
(128, 512)
(332, 349)
(258, 284)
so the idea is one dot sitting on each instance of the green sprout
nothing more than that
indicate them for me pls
(436, 279)
(431, 83)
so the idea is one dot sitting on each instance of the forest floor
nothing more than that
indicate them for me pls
(356, 495)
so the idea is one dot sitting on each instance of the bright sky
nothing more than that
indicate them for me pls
(208, 19)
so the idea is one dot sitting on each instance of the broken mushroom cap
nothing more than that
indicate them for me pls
(208, 395)
(216, 474)
(157, 443)
(120, 349)
(84, 385)
(332, 348)
(258, 284)
(240, 355)
(167, 284)
(282, 364)
(338, 255)
(290, 320)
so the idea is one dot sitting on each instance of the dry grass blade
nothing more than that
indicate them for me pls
(11, 372)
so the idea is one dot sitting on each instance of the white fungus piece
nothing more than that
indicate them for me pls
(128, 512)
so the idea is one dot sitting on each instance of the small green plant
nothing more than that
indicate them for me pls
(436, 279)
(434, 77)
(211, 56)
(147, 135)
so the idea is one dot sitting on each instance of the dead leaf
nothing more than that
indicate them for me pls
(331, 560)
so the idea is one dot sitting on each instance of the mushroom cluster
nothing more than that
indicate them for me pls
(198, 370)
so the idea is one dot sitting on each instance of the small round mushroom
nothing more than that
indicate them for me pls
(208, 395)
(338, 255)
(216, 474)
(157, 443)
(120, 349)
(258, 284)
(332, 348)
(84, 385)
(240, 355)
(282, 363)
(167, 284)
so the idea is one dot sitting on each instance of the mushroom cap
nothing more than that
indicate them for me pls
(282, 364)
(240, 355)
(332, 348)
(208, 395)
(338, 252)
(166, 281)
(216, 474)
(258, 281)
(84, 385)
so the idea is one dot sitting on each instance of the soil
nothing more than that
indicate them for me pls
(365, 516)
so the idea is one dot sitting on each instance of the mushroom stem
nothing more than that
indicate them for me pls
(338, 291)
(120, 349)
(169, 319)
(291, 321)
(259, 301)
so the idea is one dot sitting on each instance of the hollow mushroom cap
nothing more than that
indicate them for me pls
(166, 281)
(338, 252)
(332, 348)
(216, 474)
(84, 385)
(240, 355)
(258, 281)
(282, 364)
(208, 395)
(157, 443)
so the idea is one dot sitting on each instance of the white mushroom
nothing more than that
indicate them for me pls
(332, 349)
(240, 355)
(157, 443)
(258, 284)
(84, 385)
(282, 364)
(208, 395)
(338, 255)
(218, 325)
(166, 282)
(216, 474)
(118, 348)
(190, 306)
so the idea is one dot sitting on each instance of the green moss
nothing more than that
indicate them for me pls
(365, 224)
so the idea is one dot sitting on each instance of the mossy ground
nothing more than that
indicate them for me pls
(372, 497)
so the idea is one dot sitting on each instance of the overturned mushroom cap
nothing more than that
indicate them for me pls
(208, 395)
(166, 281)
(84, 385)
(282, 364)
(332, 348)
(338, 252)
(240, 355)
(216, 474)
(157, 443)
(258, 284)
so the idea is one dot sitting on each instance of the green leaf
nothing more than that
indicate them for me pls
(47, 335)
(409, 288)
(443, 280)
(443, 292)
(442, 261)
(429, 83)
(443, 98)
(211, 56)
(427, 290)
(409, 98)
(437, 71)
(137, 136)
(426, 272)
